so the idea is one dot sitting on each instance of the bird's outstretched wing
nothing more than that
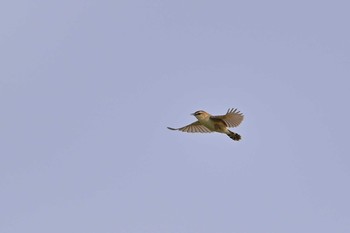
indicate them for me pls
(195, 127)
(232, 118)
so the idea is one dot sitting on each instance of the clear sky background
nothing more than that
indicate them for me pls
(87, 89)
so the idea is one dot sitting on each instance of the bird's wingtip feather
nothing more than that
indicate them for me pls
(171, 128)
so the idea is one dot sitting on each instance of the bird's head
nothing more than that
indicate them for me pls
(201, 114)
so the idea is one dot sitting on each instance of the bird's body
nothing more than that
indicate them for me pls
(212, 124)
(207, 123)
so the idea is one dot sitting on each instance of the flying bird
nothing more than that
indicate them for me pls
(207, 123)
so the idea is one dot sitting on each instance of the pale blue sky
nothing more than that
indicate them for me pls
(87, 89)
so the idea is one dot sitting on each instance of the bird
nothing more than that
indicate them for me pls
(206, 123)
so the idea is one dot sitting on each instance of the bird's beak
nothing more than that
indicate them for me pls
(192, 114)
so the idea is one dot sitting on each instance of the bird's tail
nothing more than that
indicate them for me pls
(234, 136)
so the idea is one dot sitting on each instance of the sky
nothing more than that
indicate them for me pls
(87, 89)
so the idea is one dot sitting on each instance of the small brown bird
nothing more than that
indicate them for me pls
(207, 123)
